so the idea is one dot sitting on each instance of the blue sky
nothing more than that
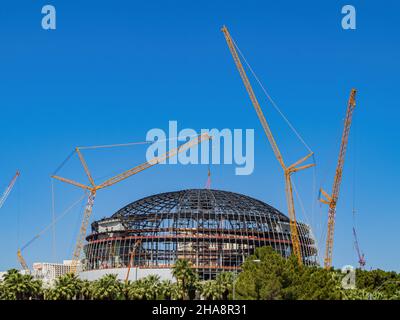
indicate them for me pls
(111, 71)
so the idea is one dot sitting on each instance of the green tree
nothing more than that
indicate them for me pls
(166, 290)
(386, 282)
(224, 282)
(263, 277)
(314, 283)
(108, 287)
(210, 290)
(186, 278)
(176, 292)
(362, 294)
(267, 275)
(66, 287)
(17, 286)
(135, 290)
(152, 287)
(86, 290)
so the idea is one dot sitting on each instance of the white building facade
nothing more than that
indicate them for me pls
(48, 271)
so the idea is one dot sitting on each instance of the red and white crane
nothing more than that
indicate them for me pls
(8, 189)
(361, 257)
(208, 183)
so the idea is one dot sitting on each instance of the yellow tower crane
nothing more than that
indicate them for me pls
(331, 200)
(288, 170)
(93, 188)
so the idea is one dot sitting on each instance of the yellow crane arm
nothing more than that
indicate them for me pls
(85, 166)
(114, 180)
(76, 184)
(287, 170)
(332, 200)
(252, 96)
(22, 260)
(154, 161)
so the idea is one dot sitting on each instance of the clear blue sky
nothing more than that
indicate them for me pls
(115, 69)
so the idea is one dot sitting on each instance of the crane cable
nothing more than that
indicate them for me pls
(301, 139)
(272, 101)
(53, 218)
(63, 163)
(290, 125)
(310, 223)
(115, 145)
(354, 212)
(55, 221)
(131, 143)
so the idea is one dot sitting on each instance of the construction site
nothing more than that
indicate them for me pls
(215, 230)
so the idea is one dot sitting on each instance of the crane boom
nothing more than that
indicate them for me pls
(332, 199)
(22, 260)
(154, 161)
(252, 96)
(287, 170)
(118, 178)
(361, 257)
(8, 189)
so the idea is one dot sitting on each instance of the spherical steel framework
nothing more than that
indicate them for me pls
(216, 230)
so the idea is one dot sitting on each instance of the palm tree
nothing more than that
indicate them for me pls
(108, 288)
(136, 290)
(185, 276)
(152, 287)
(224, 282)
(176, 292)
(17, 286)
(166, 289)
(86, 290)
(210, 290)
(66, 287)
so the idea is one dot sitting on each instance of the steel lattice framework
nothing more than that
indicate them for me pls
(216, 230)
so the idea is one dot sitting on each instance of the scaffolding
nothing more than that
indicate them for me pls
(216, 230)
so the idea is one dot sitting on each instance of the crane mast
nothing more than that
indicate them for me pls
(92, 188)
(288, 170)
(8, 189)
(331, 200)
(82, 232)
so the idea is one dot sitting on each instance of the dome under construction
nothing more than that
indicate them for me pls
(216, 230)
